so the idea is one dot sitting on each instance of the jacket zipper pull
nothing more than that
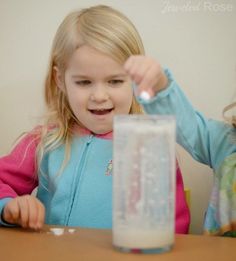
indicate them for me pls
(89, 139)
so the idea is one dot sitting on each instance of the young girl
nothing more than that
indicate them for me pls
(69, 157)
(208, 141)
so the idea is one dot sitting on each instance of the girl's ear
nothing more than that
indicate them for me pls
(58, 78)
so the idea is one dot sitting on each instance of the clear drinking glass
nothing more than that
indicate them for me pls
(144, 183)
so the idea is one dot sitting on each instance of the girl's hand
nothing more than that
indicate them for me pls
(26, 211)
(146, 73)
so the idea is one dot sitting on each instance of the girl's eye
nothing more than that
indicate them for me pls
(116, 82)
(83, 83)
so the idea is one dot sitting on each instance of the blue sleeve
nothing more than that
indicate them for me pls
(208, 141)
(3, 202)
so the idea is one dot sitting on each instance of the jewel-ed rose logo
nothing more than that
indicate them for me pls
(196, 6)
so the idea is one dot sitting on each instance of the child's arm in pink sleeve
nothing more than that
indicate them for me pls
(18, 169)
(18, 172)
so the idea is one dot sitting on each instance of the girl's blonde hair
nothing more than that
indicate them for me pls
(101, 27)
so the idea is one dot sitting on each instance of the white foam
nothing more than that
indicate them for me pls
(143, 238)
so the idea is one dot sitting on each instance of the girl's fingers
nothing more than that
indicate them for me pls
(33, 212)
(11, 212)
(140, 72)
(133, 65)
(26, 211)
(150, 80)
(23, 205)
(41, 215)
(145, 72)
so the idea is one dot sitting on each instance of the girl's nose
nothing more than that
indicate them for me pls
(99, 94)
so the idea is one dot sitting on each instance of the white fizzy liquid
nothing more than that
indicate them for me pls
(142, 238)
(144, 183)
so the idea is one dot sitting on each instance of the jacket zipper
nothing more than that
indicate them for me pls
(77, 180)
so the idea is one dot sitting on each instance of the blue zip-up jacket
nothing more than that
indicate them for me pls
(89, 167)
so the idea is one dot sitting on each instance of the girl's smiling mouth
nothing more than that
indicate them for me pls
(101, 111)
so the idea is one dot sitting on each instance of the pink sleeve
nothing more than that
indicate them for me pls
(182, 213)
(18, 169)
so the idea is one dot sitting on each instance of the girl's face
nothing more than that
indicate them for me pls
(97, 88)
